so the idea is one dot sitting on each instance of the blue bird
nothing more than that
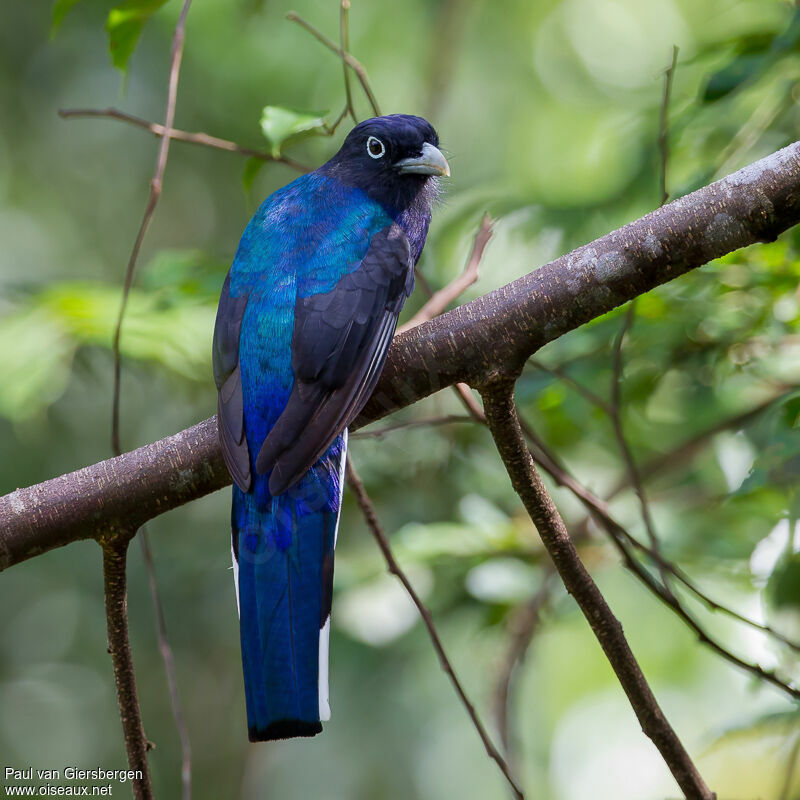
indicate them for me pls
(305, 319)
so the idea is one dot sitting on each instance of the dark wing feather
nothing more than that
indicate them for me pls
(339, 348)
(227, 376)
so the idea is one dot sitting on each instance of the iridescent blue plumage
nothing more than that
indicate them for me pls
(305, 319)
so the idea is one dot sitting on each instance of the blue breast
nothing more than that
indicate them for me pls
(301, 241)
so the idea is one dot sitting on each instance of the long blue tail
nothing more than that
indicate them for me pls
(283, 563)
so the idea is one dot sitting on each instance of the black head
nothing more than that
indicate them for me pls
(391, 158)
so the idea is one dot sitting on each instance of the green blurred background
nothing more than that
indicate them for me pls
(548, 112)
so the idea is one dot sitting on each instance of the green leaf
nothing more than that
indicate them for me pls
(60, 10)
(124, 26)
(783, 587)
(754, 55)
(279, 124)
(35, 359)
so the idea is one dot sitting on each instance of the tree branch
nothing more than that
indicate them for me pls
(491, 335)
(152, 201)
(201, 139)
(168, 658)
(376, 529)
(522, 627)
(503, 423)
(349, 59)
(115, 550)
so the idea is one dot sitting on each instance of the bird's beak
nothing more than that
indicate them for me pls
(429, 162)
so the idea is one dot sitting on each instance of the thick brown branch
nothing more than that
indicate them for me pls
(376, 529)
(114, 495)
(504, 425)
(115, 550)
(490, 335)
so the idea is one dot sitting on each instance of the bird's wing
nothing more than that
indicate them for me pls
(227, 375)
(339, 346)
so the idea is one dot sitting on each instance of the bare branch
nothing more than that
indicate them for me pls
(624, 541)
(169, 665)
(350, 60)
(201, 139)
(582, 390)
(504, 425)
(441, 299)
(122, 664)
(344, 41)
(522, 627)
(496, 332)
(663, 123)
(377, 433)
(115, 550)
(677, 458)
(376, 529)
(152, 201)
(619, 433)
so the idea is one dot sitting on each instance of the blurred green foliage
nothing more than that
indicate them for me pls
(549, 116)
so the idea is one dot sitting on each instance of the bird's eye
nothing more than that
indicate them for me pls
(375, 147)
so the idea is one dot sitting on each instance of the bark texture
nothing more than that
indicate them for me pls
(475, 343)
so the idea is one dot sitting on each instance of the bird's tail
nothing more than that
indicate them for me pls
(283, 565)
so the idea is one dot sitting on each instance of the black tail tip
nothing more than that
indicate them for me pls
(284, 729)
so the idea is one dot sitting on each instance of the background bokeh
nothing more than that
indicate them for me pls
(548, 112)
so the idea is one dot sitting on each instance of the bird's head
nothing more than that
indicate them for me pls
(392, 158)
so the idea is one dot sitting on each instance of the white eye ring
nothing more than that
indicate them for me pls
(373, 153)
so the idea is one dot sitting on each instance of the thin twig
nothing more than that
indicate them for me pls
(621, 538)
(331, 129)
(119, 646)
(522, 628)
(470, 403)
(344, 40)
(503, 423)
(348, 58)
(377, 433)
(584, 391)
(169, 665)
(440, 300)
(676, 458)
(375, 527)
(619, 433)
(663, 123)
(155, 194)
(201, 139)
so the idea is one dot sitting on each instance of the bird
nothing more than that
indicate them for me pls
(305, 318)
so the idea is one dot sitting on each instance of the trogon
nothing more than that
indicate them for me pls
(305, 318)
